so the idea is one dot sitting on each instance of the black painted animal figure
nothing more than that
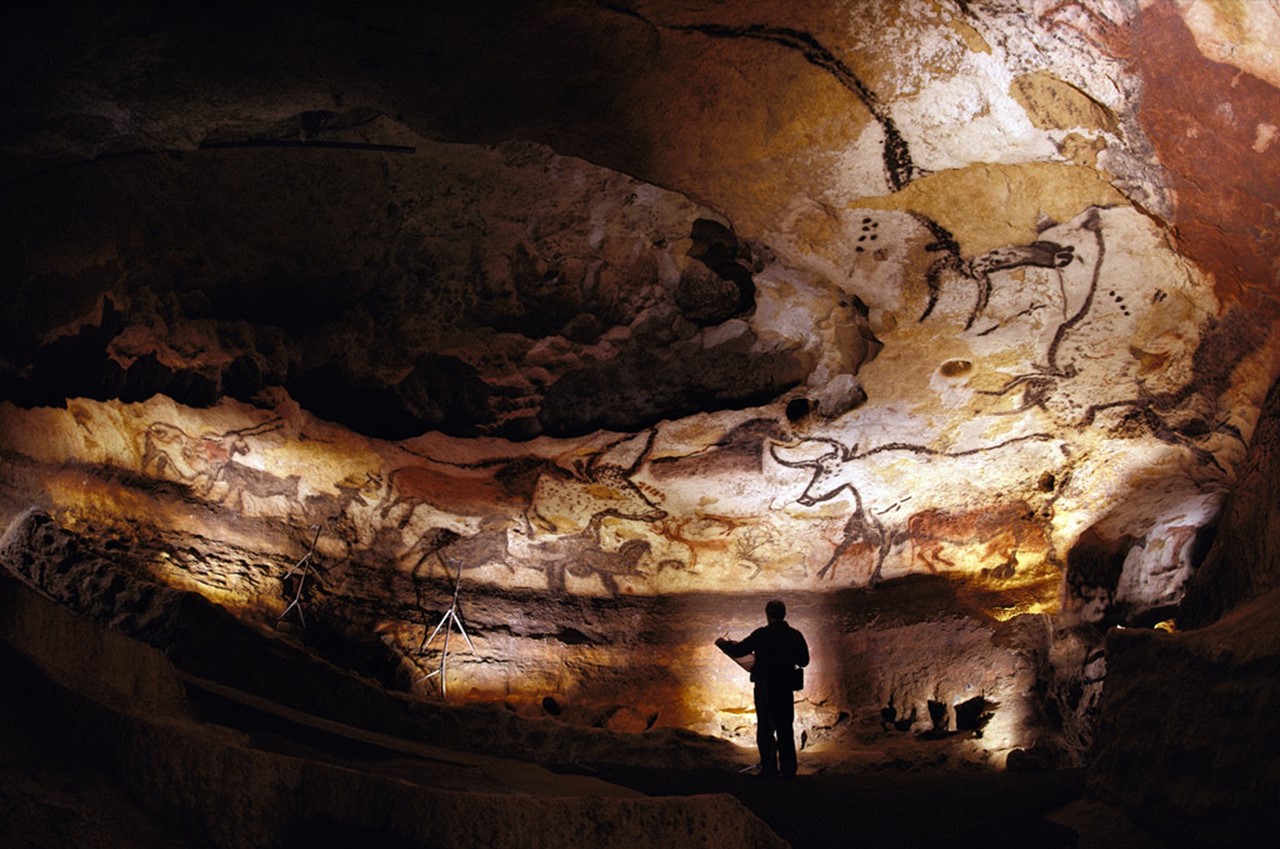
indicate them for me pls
(454, 551)
(248, 487)
(966, 476)
(583, 556)
(1038, 254)
(197, 461)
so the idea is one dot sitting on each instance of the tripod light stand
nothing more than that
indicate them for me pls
(305, 565)
(447, 622)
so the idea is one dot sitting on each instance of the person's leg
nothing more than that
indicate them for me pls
(783, 712)
(765, 730)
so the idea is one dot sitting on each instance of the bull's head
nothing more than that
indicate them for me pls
(829, 470)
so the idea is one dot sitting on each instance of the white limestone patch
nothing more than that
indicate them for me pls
(970, 117)
(1266, 134)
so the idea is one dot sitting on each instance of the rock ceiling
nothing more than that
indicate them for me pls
(628, 312)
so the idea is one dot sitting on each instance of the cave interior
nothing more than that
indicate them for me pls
(397, 400)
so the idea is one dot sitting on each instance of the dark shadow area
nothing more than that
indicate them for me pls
(55, 791)
(888, 809)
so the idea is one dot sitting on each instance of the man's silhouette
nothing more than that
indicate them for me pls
(779, 650)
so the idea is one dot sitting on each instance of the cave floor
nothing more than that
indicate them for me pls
(916, 808)
(51, 796)
(54, 793)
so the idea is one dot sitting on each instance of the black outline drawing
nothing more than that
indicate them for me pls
(899, 168)
(593, 472)
(837, 466)
(1038, 254)
(582, 556)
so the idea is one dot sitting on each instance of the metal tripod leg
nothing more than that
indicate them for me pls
(447, 622)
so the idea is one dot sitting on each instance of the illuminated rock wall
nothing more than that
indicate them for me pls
(702, 306)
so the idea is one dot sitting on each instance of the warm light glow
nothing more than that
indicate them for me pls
(1004, 614)
(225, 587)
(230, 493)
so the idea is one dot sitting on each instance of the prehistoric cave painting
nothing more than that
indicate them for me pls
(1077, 297)
(208, 466)
(835, 470)
(1001, 529)
(1092, 223)
(757, 547)
(1079, 294)
(566, 502)
(863, 540)
(411, 487)
(699, 535)
(899, 168)
(171, 453)
(1064, 380)
(247, 486)
(1093, 25)
(1039, 254)
(453, 552)
(549, 496)
(865, 535)
(1169, 415)
(737, 452)
(602, 483)
(582, 556)
(336, 510)
(868, 235)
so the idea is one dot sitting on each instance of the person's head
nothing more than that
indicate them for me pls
(775, 611)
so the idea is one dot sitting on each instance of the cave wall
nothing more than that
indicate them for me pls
(1205, 773)
(202, 760)
(631, 316)
(1242, 564)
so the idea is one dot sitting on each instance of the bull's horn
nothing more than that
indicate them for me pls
(791, 464)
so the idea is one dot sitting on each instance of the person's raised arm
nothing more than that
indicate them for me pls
(734, 648)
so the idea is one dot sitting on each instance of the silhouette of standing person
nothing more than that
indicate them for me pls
(779, 651)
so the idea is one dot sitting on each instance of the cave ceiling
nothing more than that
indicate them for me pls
(640, 300)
